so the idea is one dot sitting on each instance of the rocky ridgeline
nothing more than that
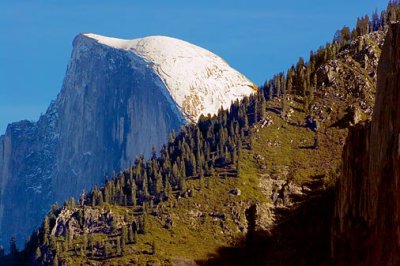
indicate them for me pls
(77, 221)
(366, 224)
(349, 81)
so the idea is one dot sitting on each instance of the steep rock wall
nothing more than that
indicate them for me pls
(110, 110)
(366, 228)
(113, 106)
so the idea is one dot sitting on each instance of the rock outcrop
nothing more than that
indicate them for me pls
(366, 224)
(349, 81)
(119, 99)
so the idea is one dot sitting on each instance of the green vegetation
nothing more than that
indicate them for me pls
(207, 218)
(193, 197)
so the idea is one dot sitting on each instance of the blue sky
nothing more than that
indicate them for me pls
(258, 38)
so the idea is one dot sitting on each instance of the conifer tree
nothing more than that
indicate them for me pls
(85, 241)
(346, 35)
(145, 187)
(134, 236)
(124, 234)
(143, 223)
(133, 194)
(168, 188)
(107, 250)
(182, 183)
(68, 238)
(130, 234)
(100, 199)
(46, 231)
(262, 110)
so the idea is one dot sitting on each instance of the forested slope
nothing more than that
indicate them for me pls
(251, 185)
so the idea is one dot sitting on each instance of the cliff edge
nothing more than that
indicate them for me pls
(366, 228)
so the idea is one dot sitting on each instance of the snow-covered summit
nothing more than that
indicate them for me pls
(119, 99)
(199, 81)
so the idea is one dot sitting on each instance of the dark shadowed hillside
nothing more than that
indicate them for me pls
(366, 223)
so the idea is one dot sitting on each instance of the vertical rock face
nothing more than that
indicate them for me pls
(113, 106)
(110, 111)
(366, 227)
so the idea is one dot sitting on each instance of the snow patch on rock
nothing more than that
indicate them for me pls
(199, 81)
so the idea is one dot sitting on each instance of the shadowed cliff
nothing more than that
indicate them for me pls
(366, 229)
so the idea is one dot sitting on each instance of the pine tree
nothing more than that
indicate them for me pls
(135, 236)
(133, 194)
(270, 91)
(262, 109)
(283, 107)
(93, 201)
(124, 234)
(130, 234)
(201, 180)
(168, 188)
(145, 186)
(246, 123)
(182, 183)
(175, 170)
(107, 251)
(68, 238)
(46, 231)
(85, 241)
(122, 243)
(159, 184)
(100, 199)
(71, 203)
(143, 224)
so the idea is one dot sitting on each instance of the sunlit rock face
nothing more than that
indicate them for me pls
(119, 99)
(366, 225)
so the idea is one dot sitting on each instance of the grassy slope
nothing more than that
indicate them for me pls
(282, 151)
(196, 235)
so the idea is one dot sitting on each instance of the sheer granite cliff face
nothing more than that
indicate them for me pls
(110, 111)
(366, 225)
(112, 107)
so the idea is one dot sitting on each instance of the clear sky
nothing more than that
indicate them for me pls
(258, 38)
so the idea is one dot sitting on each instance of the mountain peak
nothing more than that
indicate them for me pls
(127, 44)
(199, 81)
(119, 99)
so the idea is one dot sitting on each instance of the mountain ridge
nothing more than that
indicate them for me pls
(262, 171)
(171, 57)
(113, 106)
(227, 185)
